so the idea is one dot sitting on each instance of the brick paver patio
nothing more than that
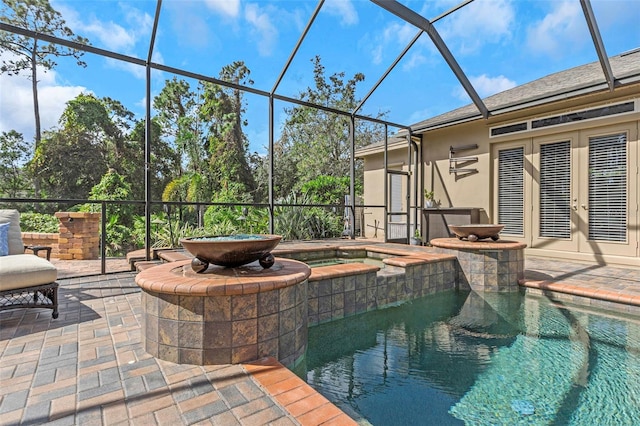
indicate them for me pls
(88, 366)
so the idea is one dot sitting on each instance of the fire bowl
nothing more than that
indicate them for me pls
(476, 232)
(231, 250)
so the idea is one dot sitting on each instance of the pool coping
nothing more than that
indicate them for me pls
(309, 407)
(298, 398)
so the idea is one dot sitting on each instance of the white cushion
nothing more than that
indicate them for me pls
(25, 270)
(15, 236)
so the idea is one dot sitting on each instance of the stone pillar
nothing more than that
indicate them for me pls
(79, 235)
(486, 265)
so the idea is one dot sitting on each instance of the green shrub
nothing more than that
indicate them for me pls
(223, 220)
(38, 222)
(299, 222)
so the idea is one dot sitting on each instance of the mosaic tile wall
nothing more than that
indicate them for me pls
(226, 329)
(335, 298)
(488, 270)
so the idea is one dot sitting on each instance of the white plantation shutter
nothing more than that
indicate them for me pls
(555, 190)
(511, 190)
(608, 188)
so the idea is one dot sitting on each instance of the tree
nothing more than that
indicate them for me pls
(93, 138)
(206, 129)
(164, 161)
(26, 53)
(315, 142)
(178, 118)
(13, 156)
(222, 109)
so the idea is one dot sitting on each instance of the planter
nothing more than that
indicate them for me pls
(429, 203)
(416, 241)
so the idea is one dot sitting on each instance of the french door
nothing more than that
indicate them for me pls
(585, 192)
(575, 191)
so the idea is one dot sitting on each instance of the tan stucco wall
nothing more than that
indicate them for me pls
(374, 187)
(478, 189)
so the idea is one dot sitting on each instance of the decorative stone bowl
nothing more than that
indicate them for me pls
(476, 232)
(231, 250)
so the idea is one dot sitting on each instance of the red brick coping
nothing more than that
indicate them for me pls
(456, 244)
(179, 278)
(577, 290)
(297, 397)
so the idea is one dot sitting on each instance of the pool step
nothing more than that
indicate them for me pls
(340, 270)
(173, 255)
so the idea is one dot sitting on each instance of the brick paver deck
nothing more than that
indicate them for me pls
(88, 366)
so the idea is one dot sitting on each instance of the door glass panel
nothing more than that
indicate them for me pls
(395, 193)
(555, 190)
(511, 190)
(608, 188)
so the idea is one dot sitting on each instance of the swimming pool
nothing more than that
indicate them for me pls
(457, 358)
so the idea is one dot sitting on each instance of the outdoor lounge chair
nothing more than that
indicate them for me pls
(26, 280)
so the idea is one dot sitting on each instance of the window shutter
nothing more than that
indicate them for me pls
(511, 190)
(555, 190)
(608, 188)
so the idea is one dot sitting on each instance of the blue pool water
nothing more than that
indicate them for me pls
(493, 359)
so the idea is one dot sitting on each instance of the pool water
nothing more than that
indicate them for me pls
(490, 359)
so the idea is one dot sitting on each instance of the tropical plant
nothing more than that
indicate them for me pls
(297, 221)
(328, 189)
(119, 237)
(166, 231)
(39, 222)
(236, 219)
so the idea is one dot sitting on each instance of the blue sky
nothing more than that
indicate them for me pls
(498, 43)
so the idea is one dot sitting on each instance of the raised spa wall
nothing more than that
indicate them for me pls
(486, 266)
(338, 291)
(237, 316)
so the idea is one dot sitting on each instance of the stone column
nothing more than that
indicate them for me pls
(79, 235)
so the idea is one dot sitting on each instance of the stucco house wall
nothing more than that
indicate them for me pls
(479, 187)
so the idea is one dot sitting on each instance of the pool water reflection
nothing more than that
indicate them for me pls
(472, 358)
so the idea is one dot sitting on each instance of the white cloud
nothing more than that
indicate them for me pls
(563, 28)
(229, 8)
(480, 22)
(414, 60)
(394, 37)
(486, 86)
(111, 35)
(401, 34)
(343, 9)
(262, 29)
(16, 110)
